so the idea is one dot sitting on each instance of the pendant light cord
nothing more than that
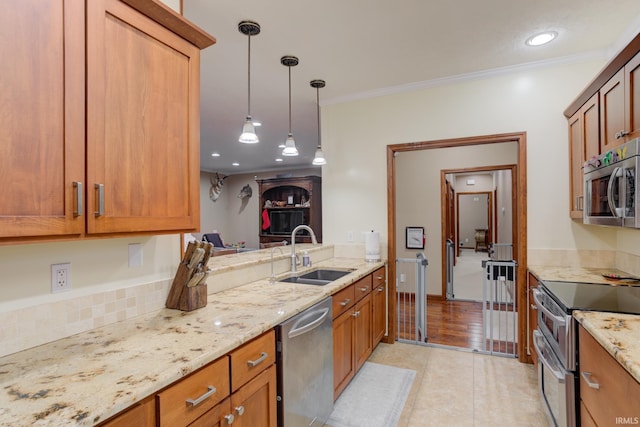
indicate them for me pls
(249, 78)
(289, 98)
(318, 109)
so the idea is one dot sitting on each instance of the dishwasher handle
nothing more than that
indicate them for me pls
(297, 329)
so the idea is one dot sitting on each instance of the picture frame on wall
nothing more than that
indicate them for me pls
(415, 237)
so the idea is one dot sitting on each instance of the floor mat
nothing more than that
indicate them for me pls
(374, 398)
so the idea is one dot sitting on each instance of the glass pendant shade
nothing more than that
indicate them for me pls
(290, 147)
(319, 159)
(248, 135)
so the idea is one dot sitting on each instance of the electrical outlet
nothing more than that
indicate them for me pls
(60, 277)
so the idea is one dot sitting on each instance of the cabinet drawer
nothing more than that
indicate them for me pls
(618, 393)
(343, 300)
(191, 397)
(379, 278)
(252, 358)
(363, 287)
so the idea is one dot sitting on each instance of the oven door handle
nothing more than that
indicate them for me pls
(557, 319)
(617, 173)
(553, 367)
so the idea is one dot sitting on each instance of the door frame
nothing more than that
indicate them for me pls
(519, 220)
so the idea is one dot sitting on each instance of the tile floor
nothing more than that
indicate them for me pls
(458, 388)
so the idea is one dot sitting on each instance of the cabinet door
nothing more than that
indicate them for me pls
(363, 335)
(218, 416)
(254, 404)
(344, 368)
(632, 98)
(142, 414)
(612, 120)
(378, 316)
(41, 117)
(142, 123)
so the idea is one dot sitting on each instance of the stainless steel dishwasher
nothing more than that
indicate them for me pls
(304, 360)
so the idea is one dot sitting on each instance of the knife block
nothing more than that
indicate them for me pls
(181, 296)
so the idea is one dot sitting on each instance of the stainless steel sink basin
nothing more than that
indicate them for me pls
(319, 277)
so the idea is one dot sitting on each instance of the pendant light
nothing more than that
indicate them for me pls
(290, 145)
(248, 135)
(318, 159)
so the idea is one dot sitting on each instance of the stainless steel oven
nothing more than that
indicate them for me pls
(555, 340)
(611, 186)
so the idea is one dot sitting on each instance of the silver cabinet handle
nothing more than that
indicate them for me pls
(199, 400)
(259, 360)
(381, 289)
(380, 277)
(621, 134)
(534, 307)
(100, 188)
(345, 302)
(240, 410)
(356, 314)
(230, 419)
(587, 378)
(364, 289)
(78, 187)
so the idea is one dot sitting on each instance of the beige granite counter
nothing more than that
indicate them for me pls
(84, 379)
(578, 274)
(618, 333)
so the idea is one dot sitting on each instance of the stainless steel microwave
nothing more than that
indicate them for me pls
(611, 186)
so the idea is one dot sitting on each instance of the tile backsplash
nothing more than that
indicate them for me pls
(37, 324)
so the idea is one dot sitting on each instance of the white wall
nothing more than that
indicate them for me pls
(356, 133)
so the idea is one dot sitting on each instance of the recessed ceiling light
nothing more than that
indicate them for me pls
(542, 38)
(235, 164)
(215, 154)
(278, 159)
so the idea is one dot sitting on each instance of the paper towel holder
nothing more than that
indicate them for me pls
(415, 237)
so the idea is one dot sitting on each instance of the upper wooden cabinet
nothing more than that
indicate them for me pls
(133, 168)
(584, 140)
(42, 117)
(619, 99)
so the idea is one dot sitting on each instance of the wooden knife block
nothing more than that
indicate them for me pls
(182, 297)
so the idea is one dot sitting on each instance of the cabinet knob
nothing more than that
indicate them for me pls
(381, 288)
(356, 314)
(229, 418)
(240, 410)
(534, 307)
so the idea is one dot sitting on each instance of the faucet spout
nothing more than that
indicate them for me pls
(294, 258)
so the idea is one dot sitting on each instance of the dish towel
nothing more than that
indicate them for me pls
(265, 220)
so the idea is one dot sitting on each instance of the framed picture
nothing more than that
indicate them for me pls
(415, 238)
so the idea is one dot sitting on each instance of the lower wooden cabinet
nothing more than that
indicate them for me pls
(141, 414)
(358, 326)
(608, 393)
(532, 317)
(254, 404)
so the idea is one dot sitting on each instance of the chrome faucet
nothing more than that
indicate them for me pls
(294, 257)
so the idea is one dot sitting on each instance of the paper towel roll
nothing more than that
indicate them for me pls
(372, 246)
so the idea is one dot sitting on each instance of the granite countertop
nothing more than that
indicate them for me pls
(578, 274)
(618, 333)
(84, 379)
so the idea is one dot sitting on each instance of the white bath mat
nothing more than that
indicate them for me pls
(374, 398)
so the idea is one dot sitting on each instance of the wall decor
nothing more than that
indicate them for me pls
(246, 192)
(216, 186)
(415, 237)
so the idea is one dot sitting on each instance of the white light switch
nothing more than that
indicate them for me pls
(135, 255)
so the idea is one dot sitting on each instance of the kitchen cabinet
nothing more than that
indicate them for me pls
(532, 317)
(111, 91)
(378, 305)
(584, 143)
(619, 102)
(141, 414)
(608, 393)
(352, 331)
(287, 202)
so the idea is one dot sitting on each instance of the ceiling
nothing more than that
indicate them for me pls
(365, 48)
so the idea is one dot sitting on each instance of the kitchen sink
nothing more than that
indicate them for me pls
(319, 277)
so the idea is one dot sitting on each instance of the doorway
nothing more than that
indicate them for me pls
(397, 218)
